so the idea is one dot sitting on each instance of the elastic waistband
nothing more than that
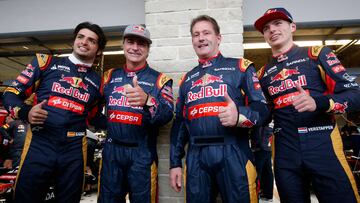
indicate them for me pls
(121, 143)
(213, 140)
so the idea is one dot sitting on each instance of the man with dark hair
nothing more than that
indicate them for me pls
(306, 87)
(139, 100)
(219, 100)
(66, 94)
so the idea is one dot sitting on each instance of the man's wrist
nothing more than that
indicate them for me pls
(23, 112)
(322, 103)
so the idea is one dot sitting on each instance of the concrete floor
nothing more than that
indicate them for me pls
(92, 198)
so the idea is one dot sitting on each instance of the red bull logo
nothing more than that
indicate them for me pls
(206, 92)
(330, 55)
(72, 92)
(119, 90)
(138, 28)
(270, 11)
(284, 74)
(339, 108)
(206, 79)
(287, 84)
(75, 82)
(245, 122)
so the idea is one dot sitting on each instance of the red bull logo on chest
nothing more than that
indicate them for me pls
(121, 89)
(72, 92)
(206, 92)
(75, 82)
(287, 84)
(206, 80)
(284, 74)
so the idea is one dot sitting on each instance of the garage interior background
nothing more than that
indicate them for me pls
(29, 27)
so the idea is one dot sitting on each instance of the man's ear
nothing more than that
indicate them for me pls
(293, 27)
(219, 37)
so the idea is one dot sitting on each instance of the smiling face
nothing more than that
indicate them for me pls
(278, 34)
(136, 51)
(205, 40)
(86, 46)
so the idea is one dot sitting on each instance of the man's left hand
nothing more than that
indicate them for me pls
(228, 115)
(303, 101)
(136, 95)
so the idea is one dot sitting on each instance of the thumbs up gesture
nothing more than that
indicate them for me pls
(37, 115)
(303, 101)
(228, 114)
(135, 94)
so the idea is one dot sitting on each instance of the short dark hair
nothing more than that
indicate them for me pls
(208, 19)
(95, 28)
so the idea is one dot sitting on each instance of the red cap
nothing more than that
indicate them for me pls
(272, 14)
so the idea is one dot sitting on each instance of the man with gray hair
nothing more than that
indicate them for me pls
(138, 101)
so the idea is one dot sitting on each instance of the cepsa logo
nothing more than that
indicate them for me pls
(204, 110)
(66, 104)
(125, 117)
(287, 99)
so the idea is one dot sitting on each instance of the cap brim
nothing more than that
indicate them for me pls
(260, 23)
(140, 36)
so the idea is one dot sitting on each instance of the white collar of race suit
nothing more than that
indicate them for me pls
(75, 60)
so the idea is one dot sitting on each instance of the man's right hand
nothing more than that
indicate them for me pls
(8, 164)
(175, 179)
(37, 115)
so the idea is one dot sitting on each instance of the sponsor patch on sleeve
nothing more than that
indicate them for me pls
(167, 93)
(314, 51)
(338, 68)
(22, 79)
(43, 60)
(244, 64)
(12, 90)
(244, 122)
(162, 80)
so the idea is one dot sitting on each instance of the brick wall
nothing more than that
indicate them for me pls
(172, 54)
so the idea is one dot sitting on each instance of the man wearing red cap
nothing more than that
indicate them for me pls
(306, 87)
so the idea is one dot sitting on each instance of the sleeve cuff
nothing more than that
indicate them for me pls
(24, 112)
(322, 103)
(175, 166)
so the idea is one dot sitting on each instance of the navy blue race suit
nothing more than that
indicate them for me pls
(261, 145)
(308, 146)
(56, 149)
(218, 158)
(129, 159)
(15, 130)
